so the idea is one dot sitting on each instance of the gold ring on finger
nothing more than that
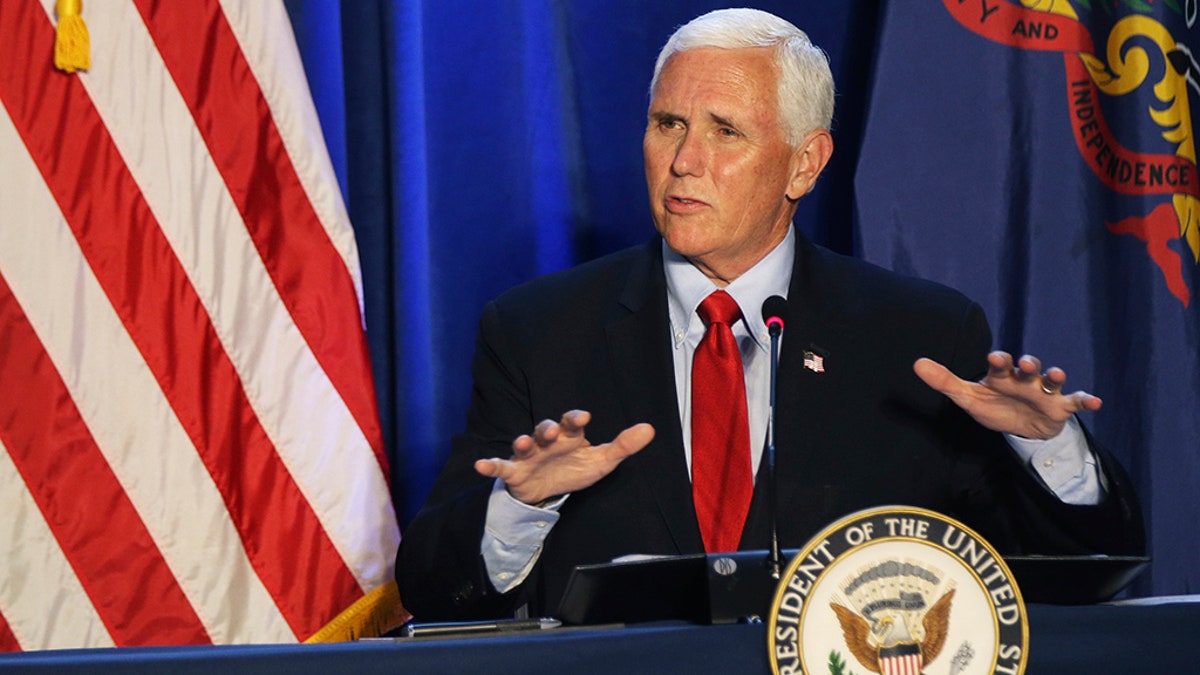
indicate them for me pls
(1048, 387)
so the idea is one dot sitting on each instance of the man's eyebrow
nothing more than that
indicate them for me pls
(722, 121)
(662, 116)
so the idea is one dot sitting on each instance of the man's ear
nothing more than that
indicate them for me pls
(808, 161)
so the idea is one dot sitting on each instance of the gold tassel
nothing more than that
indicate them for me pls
(373, 615)
(72, 46)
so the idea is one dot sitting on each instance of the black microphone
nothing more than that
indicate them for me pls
(774, 311)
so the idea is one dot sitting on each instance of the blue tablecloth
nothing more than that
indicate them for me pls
(1063, 640)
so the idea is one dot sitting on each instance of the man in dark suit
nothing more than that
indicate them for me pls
(621, 348)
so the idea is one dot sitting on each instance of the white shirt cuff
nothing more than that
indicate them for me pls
(1065, 464)
(513, 534)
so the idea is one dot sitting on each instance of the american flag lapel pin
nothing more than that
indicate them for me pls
(814, 361)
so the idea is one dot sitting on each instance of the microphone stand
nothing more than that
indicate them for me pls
(775, 329)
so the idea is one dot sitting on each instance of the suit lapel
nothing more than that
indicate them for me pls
(814, 325)
(640, 351)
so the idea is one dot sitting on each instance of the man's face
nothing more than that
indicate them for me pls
(718, 169)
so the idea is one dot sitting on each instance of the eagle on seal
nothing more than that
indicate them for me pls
(893, 635)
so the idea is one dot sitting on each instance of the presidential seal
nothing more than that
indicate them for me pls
(897, 591)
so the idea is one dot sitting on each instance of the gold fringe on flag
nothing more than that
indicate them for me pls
(373, 615)
(72, 45)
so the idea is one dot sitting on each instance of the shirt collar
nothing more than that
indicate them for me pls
(687, 287)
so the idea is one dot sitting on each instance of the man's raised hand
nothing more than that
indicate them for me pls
(1017, 398)
(558, 458)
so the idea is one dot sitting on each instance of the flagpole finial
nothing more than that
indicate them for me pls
(72, 45)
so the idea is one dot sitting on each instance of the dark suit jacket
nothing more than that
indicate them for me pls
(865, 432)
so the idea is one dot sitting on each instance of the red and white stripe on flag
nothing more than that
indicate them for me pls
(189, 444)
(906, 664)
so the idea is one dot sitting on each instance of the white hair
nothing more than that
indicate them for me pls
(805, 82)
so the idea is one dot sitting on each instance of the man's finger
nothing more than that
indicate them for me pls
(523, 445)
(1053, 380)
(1029, 368)
(1000, 365)
(937, 376)
(573, 422)
(1085, 401)
(492, 468)
(546, 432)
(1049, 386)
(632, 440)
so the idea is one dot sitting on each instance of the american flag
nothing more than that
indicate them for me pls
(906, 664)
(189, 445)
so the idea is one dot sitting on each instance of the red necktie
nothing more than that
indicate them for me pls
(721, 480)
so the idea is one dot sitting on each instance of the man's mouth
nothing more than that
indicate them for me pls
(683, 203)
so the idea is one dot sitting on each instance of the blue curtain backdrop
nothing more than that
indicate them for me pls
(483, 143)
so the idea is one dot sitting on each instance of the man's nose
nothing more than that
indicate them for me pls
(689, 156)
